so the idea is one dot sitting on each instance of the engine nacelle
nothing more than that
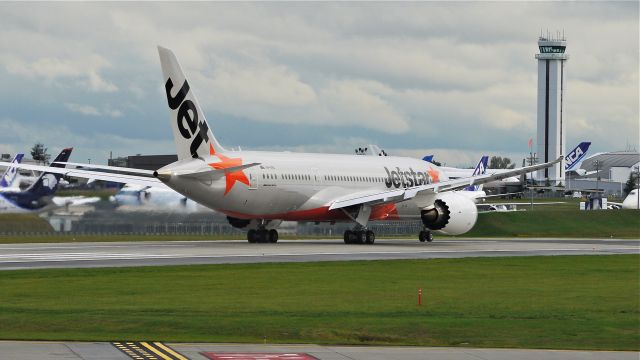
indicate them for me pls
(451, 214)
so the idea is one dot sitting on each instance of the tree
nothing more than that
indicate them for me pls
(630, 185)
(39, 153)
(498, 162)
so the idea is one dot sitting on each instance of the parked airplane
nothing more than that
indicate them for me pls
(630, 202)
(9, 176)
(258, 190)
(147, 198)
(39, 195)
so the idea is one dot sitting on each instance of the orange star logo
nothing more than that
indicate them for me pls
(434, 174)
(225, 163)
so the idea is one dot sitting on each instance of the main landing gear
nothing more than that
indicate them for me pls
(425, 235)
(262, 235)
(359, 237)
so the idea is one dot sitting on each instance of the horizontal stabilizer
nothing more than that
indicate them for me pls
(205, 173)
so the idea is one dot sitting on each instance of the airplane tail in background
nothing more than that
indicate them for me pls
(428, 158)
(11, 172)
(480, 169)
(576, 155)
(47, 183)
(191, 132)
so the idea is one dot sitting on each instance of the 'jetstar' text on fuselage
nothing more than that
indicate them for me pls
(398, 178)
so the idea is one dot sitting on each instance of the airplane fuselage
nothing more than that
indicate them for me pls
(299, 186)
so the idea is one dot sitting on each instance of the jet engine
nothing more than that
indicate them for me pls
(451, 214)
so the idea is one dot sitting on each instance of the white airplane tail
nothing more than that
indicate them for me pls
(191, 132)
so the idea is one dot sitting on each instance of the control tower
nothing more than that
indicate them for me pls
(551, 90)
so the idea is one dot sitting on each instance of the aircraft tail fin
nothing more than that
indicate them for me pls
(191, 132)
(11, 172)
(575, 155)
(480, 169)
(47, 183)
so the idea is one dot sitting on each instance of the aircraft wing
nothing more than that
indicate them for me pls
(97, 175)
(103, 167)
(397, 195)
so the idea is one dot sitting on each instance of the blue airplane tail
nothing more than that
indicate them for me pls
(47, 183)
(575, 155)
(428, 158)
(480, 169)
(10, 174)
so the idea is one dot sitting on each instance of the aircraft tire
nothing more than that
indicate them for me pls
(425, 236)
(370, 237)
(347, 236)
(273, 236)
(252, 236)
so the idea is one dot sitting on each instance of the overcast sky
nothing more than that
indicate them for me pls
(452, 79)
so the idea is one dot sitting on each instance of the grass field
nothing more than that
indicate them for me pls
(559, 223)
(23, 223)
(574, 302)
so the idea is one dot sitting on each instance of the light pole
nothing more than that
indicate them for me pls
(597, 164)
(638, 188)
(532, 161)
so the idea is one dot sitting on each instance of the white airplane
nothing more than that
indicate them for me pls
(630, 202)
(137, 197)
(258, 190)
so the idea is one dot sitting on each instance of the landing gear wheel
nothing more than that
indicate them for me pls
(347, 236)
(273, 236)
(425, 236)
(370, 237)
(360, 237)
(252, 236)
(263, 236)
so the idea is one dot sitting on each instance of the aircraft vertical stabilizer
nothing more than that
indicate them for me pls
(480, 169)
(191, 132)
(10, 174)
(47, 183)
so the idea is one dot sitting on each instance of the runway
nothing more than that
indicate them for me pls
(106, 254)
(52, 350)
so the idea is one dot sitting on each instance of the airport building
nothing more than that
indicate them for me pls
(551, 131)
(608, 172)
(146, 162)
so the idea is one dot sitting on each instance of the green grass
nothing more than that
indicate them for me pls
(23, 223)
(559, 223)
(568, 302)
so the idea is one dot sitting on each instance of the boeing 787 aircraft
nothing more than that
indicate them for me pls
(257, 190)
